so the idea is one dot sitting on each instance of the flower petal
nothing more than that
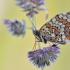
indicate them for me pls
(41, 8)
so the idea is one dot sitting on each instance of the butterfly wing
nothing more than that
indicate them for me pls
(57, 29)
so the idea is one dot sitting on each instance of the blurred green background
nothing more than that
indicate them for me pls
(13, 50)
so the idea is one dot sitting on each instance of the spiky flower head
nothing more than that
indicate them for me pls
(16, 27)
(44, 56)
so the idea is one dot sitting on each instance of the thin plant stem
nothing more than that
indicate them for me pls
(39, 45)
(32, 17)
(42, 68)
(35, 20)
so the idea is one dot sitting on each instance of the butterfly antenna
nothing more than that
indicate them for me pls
(32, 23)
(35, 20)
(34, 47)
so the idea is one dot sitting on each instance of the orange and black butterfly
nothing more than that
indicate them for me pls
(57, 30)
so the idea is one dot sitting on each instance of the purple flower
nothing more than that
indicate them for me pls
(38, 1)
(16, 27)
(44, 56)
(31, 6)
(21, 2)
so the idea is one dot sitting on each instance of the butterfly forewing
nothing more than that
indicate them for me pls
(57, 29)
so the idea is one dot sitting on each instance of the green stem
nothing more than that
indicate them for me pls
(39, 45)
(42, 68)
(35, 20)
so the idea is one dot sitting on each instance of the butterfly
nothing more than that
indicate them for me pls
(57, 30)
